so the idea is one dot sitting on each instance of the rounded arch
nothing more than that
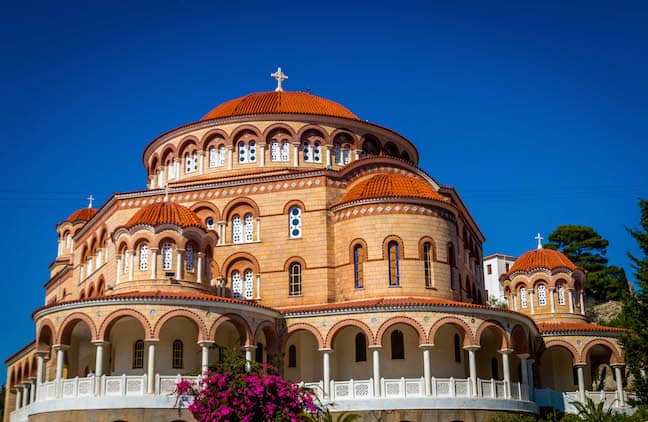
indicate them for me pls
(370, 145)
(303, 326)
(70, 322)
(111, 319)
(541, 280)
(182, 313)
(234, 203)
(239, 256)
(344, 136)
(167, 155)
(295, 260)
(345, 323)
(241, 325)
(243, 130)
(565, 345)
(213, 137)
(422, 242)
(401, 247)
(205, 205)
(262, 327)
(312, 130)
(295, 202)
(45, 335)
(401, 320)
(186, 144)
(520, 340)
(615, 357)
(391, 150)
(277, 128)
(494, 325)
(461, 325)
(153, 164)
(355, 242)
(91, 291)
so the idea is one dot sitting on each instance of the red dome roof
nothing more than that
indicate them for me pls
(542, 258)
(386, 185)
(279, 103)
(165, 212)
(84, 214)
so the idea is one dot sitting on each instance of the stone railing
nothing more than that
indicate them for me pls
(563, 400)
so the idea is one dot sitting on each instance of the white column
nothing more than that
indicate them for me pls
(571, 300)
(32, 390)
(532, 301)
(60, 357)
(261, 155)
(581, 382)
(427, 376)
(258, 295)
(81, 273)
(229, 158)
(131, 270)
(205, 345)
(618, 372)
(199, 267)
(258, 229)
(40, 367)
(375, 352)
(326, 364)
(328, 156)
(507, 371)
(18, 397)
(295, 155)
(582, 303)
(524, 367)
(472, 365)
(25, 395)
(99, 357)
(119, 270)
(201, 162)
(248, 356)
(553, 303)
(531, 377)
(514, 296)
(153, 263)
(59, 249)
(179, 264)
(150, 368)
(221, 233)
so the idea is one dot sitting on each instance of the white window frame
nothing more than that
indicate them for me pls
(167, 256)
(295, 222)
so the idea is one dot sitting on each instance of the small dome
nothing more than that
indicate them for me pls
(391, 185)
(166, 212)
(542, 258)
(280, 102)
(84, 214)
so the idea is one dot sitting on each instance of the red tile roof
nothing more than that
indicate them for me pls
(166, 212)
(279, 102)
(385, 185)
(541, 258)
(84, 214)
(561, 327)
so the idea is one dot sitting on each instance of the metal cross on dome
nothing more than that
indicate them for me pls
(539, 239)
(90, 199)
(280, 77)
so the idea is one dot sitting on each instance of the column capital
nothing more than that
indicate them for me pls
(372, 347)
(151, 340)
(579, 364)
(618, 365)
(327, 349)
(505, 351)
(41, 353)
(523, 356)
(206, 343)
(154, 250)
(472, 347)
(249, 347)
(426, 346)
(58, 347)
(100, 342)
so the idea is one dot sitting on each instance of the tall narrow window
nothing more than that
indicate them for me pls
(306, 148)
(337, 152)
(285, 151)
(561, 294)
(138, 354)
(252, 152)
(452, 261)
(397, 345)
(189, 258)
(274, 151)
(68, 241)
(220, 162)
(294, 222)
(143, 257)
(292, 356)
(427, 263)
(457, 348)
(191, 162)
(167, 256)
(249, 227)
(317, 152)
(542, 295)
(295, 281)
(494, 369)
(392, 255)
(177, 354)
(172, 170)
(358, 266)
(237, 285)
(242, 152)
(213, 157)
(360, 348)
(249, 284)
(523, 297)
(237, 229)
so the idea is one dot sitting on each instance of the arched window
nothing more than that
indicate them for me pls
(247, 152)
(561, 294)
(237, 229)
(392, 256)
(457, 348)
(217, 156)
(295, 281)
(427, 263)
(249, 284)
(191, 162)
(138, 354)
(171, 170)
(312, 153)
(258, 353)
(249, 227)
(177, 354)
(494, 369)
(523, 297)
(292, 356)
(360, 348)
(397, 345)
(285, 151)
(294, 222)
(237, 285)
(542, 295)
(167, 256)
(358, 266)
(242, 152)
(274, 151)
(143, 257)
(189, 258)
(209, 222)
(341, 153)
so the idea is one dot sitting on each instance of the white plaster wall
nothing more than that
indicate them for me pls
(309, 359)
(343, 364)
(442, 356)
(556, 369)
(81, 354)
(123, 336)
(178, 329)
(412, 365)
(490, 344)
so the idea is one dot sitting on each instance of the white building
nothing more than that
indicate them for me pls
(494, 266)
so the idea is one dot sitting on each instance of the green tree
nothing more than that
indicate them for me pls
(586, 248)
(635, 312)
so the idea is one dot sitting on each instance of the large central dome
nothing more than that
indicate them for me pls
(280, 102)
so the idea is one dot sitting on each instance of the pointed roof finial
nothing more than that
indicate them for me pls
(90, 199)
(539, 239)
(279, 76)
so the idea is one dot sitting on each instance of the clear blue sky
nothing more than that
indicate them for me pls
(536, 113)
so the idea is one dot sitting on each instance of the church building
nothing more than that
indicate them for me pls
(282, 225)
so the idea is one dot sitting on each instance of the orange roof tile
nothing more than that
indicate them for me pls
(387, 185)
(279, 102)
(556, 327)
(541, 258)
(165, 212)
(84, 214)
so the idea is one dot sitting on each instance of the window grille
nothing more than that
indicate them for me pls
(143, 258)
(285, 151)
(237, 285)
(167, 256)
(274, 151)
(242, 152)
(138, 354)
(542, 295)
(177, 354)
(523, 297)
(213, 157)
(249, 284)
(295, 280)
(189, 258)
(561, 294)
(249, 227)
(252, 152)
(294, 222)
(237, 229)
